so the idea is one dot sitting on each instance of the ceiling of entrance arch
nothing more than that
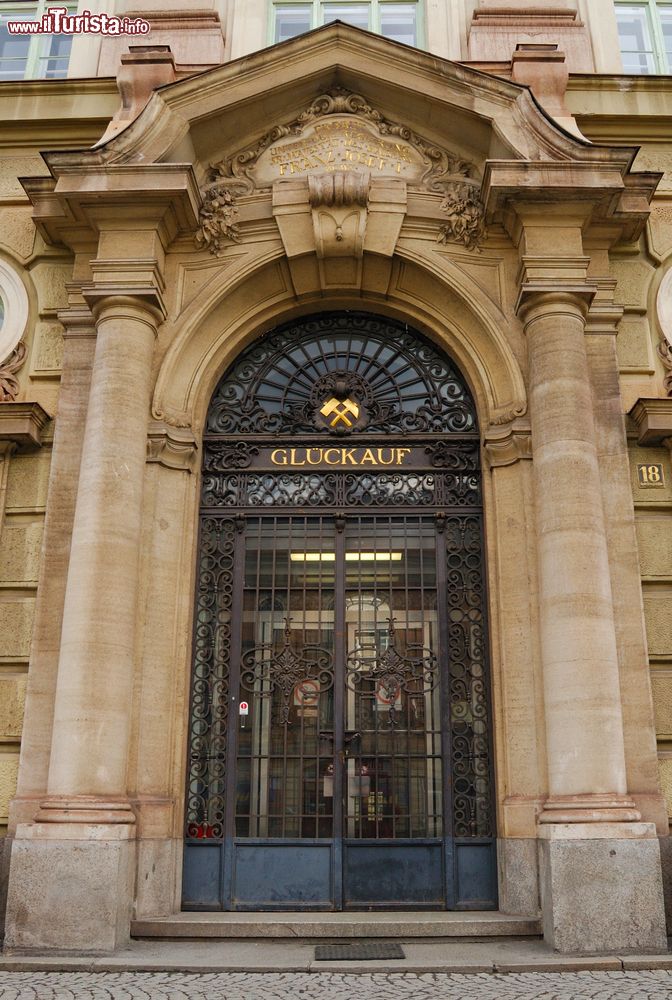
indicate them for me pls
(342, 373)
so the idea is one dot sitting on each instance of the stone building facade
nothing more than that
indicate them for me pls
(239, 274)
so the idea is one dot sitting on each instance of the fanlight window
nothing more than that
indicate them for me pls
(342, 374)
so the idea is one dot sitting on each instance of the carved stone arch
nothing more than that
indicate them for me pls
(214, 329)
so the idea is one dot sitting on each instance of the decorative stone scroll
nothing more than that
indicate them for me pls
(341, 134)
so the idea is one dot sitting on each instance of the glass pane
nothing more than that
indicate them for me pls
(55, 62)
(285, 776)
(292, 21)
(392, 680)
(666, 24)
(13, 49)
(635, 38)
(397, 21)
(351, 13)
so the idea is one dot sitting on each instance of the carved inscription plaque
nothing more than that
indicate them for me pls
(339, 143)
(342, 457)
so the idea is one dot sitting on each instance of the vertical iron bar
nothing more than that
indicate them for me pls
(338, 831)
(444, 689)
(232, 735)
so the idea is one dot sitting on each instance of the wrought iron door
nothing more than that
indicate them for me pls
(339, 740)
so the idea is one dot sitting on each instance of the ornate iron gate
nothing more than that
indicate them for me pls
(339, 751)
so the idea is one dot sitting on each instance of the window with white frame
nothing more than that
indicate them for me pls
(645, 33)
(395, 19)
(33, 56)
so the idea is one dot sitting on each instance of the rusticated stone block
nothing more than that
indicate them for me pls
(12, 704)
(665, 769)
(20, 553)
(661, 683)
(633, 343)
(27, 481)
(49, 347)
(650, 456)
(654, 540)
(9, 769)
(658, 623)
(18, 231)
(16, 627)
(633, 280)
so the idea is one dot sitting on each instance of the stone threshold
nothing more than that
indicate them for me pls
(495, 955)
(309, 926)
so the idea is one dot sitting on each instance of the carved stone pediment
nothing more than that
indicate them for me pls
(341, 133)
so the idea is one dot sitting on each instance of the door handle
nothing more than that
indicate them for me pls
(349, 736)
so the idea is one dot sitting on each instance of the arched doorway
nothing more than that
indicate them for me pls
(339, 742)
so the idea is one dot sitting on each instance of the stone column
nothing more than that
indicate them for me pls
(584, 727)
(72, 871)
(600, 867)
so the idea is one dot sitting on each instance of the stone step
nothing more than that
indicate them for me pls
(337, 926)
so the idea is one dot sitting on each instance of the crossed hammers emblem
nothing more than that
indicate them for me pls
(344, 410)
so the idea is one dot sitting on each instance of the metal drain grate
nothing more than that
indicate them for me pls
(357, 952)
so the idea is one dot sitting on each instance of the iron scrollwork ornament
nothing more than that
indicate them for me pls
(467, 679)
(267, 671)
(210, 681)
(394, 673)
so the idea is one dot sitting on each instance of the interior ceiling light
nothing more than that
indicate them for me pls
(349, 556)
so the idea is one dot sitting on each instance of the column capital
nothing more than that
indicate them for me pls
(552, 281)
(145, 304)
(537, 299)
(77, 321)
(136, 280)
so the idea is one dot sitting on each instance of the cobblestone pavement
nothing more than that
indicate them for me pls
(331, 986)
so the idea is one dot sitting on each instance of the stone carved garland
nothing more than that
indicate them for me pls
(9, 384)
(665, 355)
(442, 174)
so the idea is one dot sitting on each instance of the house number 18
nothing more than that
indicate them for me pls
(650, 475)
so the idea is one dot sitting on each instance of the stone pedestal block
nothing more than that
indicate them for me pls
(5, 850)
(601, 888)
(517, 863)
(70, 888)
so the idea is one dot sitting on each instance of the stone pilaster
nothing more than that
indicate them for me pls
(600, 867)
(72, 871)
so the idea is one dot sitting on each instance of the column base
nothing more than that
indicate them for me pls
(601, 888)
(84, 809)
(595, 808)
(70, 888)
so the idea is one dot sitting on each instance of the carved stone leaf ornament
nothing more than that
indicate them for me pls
(466, 222)
(9, 384)
(665, 355)
(217, 217)
(336, 133)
